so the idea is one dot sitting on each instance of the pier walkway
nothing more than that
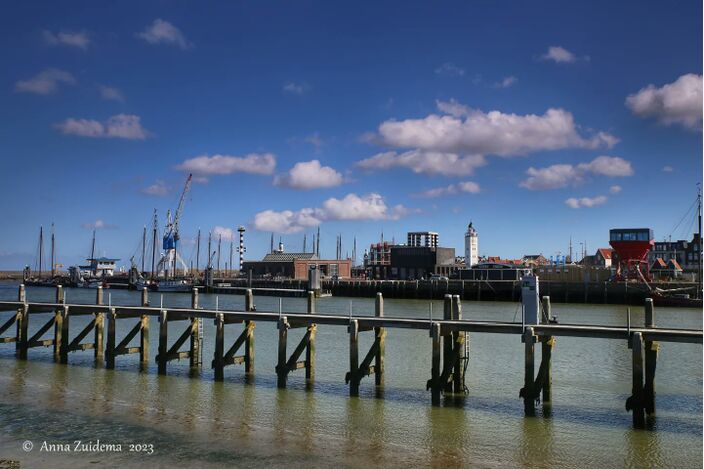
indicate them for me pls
(449, 338)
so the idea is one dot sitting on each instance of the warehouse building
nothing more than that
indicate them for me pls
(296, 265)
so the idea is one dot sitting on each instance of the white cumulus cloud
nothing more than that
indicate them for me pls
(111, 94)
(506, 82)
(562, 175)
(295, 88)
(254, 163)
(452, 189)
(588, 202)
(351, 207)
(667, 169)
(124, 126)
(309, 175)
(559, 54)
(679, 102)
(449, 69)
(221, 232)
(45, 82)
(472, 131)
(163, 32)
(159, 188)
(615, 189)
(425, 162)
(79, 39)
(98, 225)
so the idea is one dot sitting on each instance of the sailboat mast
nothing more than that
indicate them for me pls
(230, 268)
(198, 251)
(699, 230)
(92, 248)
(144, 246)
(219, 245)
(41, 249)
(154, 228)
(210, 238)
(53, 252)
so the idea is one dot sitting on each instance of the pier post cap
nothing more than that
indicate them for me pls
(434, 329)
(353, 327)
(283, 323)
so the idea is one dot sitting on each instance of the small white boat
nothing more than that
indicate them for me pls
(181, 285)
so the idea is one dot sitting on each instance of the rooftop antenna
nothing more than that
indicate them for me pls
(271, 248)
(304, 242)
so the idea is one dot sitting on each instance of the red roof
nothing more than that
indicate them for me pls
(675, 264)
(659, 264)
(606, 252)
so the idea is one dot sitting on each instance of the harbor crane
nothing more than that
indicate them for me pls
(171, 259)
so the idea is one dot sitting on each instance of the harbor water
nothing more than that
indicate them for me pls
(189, 420)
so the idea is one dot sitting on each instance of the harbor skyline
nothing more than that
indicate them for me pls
(535, 130)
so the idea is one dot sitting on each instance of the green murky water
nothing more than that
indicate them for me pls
(191, 421)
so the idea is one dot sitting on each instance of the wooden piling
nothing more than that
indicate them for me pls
(281, 371)
(547, 344)
(194, 357)
(435, 385)
(59, 326)
(58, 333)
(310, 348)
(353, 329)
(546, 310)
(22, 321)
(144, 341)
(447, 344)
(651, 357)
(99, 348)
(529, 376)
(458, 343)
(99, 295)
(162, 359)
(218, 359)
(380, 336)
(636, 399)
(145, 296)
(64, 338)
(249, 341)
(144, 332)
(110, 342)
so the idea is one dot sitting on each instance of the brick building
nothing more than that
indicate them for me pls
(295, 265)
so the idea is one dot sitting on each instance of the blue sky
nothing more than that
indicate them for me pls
(536, 120)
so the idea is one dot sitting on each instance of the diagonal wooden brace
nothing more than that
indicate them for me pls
(286, 366)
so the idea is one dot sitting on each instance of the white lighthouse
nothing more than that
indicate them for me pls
(471, 246)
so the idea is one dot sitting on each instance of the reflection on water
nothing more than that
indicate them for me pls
(194, 421)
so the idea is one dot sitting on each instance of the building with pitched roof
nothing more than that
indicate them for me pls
(296, 265)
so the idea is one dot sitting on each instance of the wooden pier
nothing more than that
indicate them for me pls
(448, 344)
